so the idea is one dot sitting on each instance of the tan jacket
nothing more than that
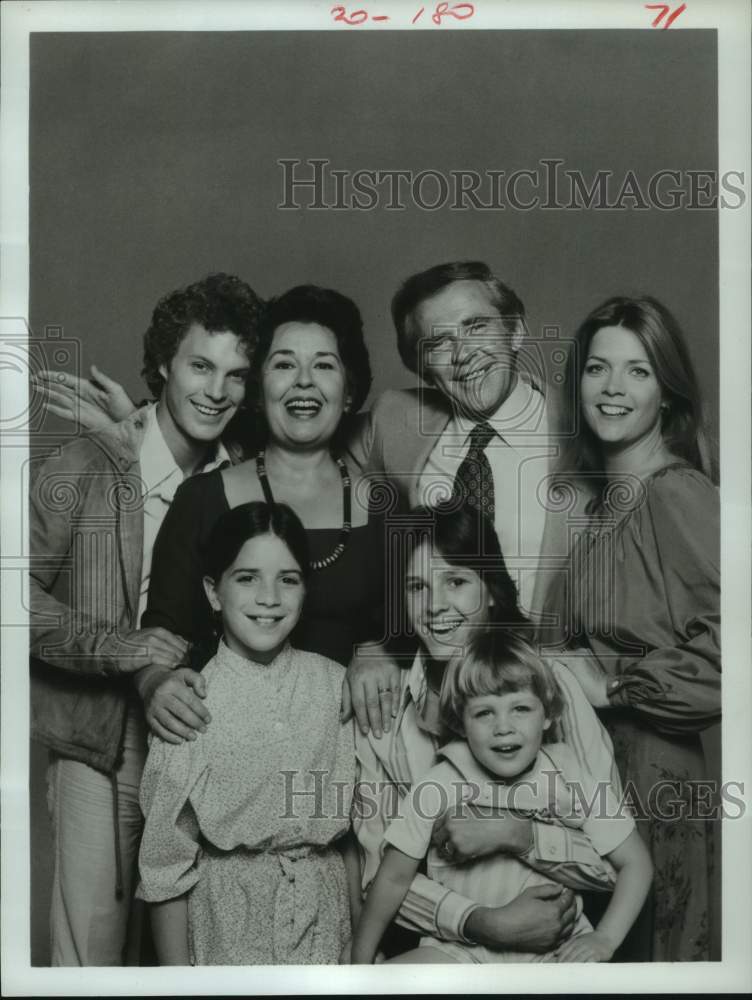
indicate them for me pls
(86, 540)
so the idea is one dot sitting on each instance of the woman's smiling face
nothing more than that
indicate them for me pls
(445, 603)
(621, 395)
(303, 385)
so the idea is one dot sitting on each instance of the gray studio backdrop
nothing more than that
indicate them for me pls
(154, 160)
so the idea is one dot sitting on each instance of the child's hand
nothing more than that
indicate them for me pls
(344, 955)
(593, 947)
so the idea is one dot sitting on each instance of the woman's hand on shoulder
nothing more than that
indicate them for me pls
(95, 403)
(371, 689)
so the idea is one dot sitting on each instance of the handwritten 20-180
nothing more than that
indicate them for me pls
(457, 11)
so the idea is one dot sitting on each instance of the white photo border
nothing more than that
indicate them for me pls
(731, 19)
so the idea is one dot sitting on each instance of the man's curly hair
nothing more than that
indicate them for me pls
(218, 302)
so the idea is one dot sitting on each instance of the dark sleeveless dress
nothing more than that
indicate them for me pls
(343, 604)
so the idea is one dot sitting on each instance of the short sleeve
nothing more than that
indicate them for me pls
(591, 805)
(410, 831)
(584, 733)
(608, 823)
(170, 841)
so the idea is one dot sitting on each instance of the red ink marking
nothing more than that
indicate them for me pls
(467, 7)
(459, 11)
(354, 18)
(444, 10)
(664, 9)
(674, 16)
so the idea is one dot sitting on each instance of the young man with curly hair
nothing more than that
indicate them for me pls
(96, 507)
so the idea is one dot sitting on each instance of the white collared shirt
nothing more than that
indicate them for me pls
(519, 457)
(160, 476)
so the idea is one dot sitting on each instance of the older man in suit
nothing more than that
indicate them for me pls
(479, 431)
(479, 427)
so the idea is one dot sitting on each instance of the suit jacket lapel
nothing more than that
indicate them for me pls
(424, 418)
(122, 447)
(131, 538)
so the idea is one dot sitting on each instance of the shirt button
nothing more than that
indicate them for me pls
(278, 726)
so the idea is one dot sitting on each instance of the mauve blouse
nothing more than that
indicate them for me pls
(644, 596)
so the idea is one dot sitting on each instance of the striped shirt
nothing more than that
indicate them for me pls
(390, 765)
(544, 791)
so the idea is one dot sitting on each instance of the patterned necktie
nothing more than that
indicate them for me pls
(474, 480)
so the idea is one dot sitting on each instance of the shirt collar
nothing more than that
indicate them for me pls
(415, 685)
(160, 472)
(458, 753)
(220, 456)
(520, 413)
(228, 659)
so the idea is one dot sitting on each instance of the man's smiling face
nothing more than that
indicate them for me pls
(466, 350)
(204, 385)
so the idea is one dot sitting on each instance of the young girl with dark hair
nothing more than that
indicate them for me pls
(456, 584)
(245, 856)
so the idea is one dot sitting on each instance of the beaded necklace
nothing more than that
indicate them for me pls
(344, 534)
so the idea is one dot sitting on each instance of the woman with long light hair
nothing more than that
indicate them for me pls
(640, 603)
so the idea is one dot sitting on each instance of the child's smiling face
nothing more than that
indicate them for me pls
(260, 596)
(505, 731)
(446, 604)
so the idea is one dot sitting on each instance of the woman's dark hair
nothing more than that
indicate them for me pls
(218, 302)
(465, 537)
(249, 520)
(311, 304)
(682, 424)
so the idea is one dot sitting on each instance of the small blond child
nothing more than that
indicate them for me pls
(504, 702)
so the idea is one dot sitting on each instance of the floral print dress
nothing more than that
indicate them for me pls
(244, 818)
